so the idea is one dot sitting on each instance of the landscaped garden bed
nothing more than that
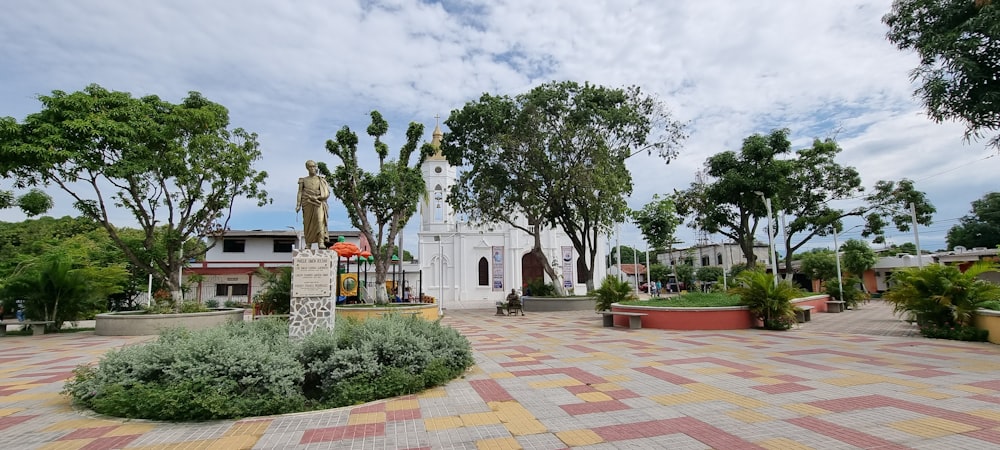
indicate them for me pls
(142, 323)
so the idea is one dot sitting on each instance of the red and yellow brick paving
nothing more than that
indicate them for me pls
(561, 380)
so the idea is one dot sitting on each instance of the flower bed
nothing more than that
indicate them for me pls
(542, 304)
(719, 318)
(139, 323)
(427, 311)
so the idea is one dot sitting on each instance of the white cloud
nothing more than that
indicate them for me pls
(295, 72)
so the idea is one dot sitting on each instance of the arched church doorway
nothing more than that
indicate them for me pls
(531, 269)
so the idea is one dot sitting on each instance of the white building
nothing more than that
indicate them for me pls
(473, 267)
(712, 255)
(228, 271)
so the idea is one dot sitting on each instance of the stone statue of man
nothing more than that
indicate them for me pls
(311, 199)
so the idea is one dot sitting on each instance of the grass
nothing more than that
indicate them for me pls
(691, 300)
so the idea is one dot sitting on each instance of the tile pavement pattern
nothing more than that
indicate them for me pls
(560, 380)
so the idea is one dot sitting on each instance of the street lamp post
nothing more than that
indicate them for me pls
(770, 237)
(836, 253)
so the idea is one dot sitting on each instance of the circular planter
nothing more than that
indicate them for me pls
(427, 311)
(138, 323)
(543, 304)
(671, 318)
(987, 319)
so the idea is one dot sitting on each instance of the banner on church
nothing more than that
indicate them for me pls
(567, 266)
(498, 268)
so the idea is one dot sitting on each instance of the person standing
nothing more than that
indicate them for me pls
(311, 200)
(19, 313)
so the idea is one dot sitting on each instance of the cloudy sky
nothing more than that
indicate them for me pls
(295, 72)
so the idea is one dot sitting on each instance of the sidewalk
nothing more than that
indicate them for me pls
(560, 380)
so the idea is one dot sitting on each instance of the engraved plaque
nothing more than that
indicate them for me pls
(312, 276)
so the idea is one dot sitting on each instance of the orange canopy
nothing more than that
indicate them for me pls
(346, 249)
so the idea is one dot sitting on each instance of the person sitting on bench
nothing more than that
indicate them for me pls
(514, 303)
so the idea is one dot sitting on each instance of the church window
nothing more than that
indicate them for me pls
(484, 272)
(437, 169)
(706, 261)
(718, 258)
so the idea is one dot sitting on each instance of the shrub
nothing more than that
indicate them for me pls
(242, 369)
(852, 296)
(957, 333)
(612, 290)
(249, 369)
(396, 355)
(211, 303)
(942, 297)
(276, 295)
(993, 305)
(769, 303)
(539, 288)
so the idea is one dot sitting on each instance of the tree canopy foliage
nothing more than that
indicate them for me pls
(657, 221)
(802, 187)
(378, 203)
(958, 42)
(555, 157)
(981, 228)
(857, 258)
(175, 168)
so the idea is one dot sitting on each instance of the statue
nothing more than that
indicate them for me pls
(311, 199)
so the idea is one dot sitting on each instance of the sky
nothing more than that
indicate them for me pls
(296, 72)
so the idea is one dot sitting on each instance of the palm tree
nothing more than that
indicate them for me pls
(942, 295)
(769, 303)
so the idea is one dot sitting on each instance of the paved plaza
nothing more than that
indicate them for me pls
(858, 379)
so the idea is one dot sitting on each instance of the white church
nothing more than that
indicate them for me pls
(467, 266)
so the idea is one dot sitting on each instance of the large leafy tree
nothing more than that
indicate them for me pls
(730, 205)
(378, 203)
(33, 202)
(802, 187)
(555, 156)
(657, 220)
(857, 258)
(981, 228)
(175, 168)
(958, 42)
(66, 282)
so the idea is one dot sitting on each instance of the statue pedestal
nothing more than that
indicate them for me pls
(313, 302)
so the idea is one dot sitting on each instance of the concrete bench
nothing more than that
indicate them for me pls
(835, 306)
(803, 313)
(37, 326)
(634, 318)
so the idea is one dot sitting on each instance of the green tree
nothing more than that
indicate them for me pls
(819, 264)
(659, 272)
(275, 296)
(958, 42)
(379, 204)
(803, 187)
(981, 228)
(709, 273)
(630, 255)
(555, 156)
(657, 221)
(175, 168)
(65, 283)
(857, 258)
(685, 274)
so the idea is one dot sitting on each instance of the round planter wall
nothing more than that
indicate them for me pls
(989, 320)
(427, 311)
(667, 318)
(543, 304)
(138, 323)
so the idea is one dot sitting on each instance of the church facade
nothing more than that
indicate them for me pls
(466, 266)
